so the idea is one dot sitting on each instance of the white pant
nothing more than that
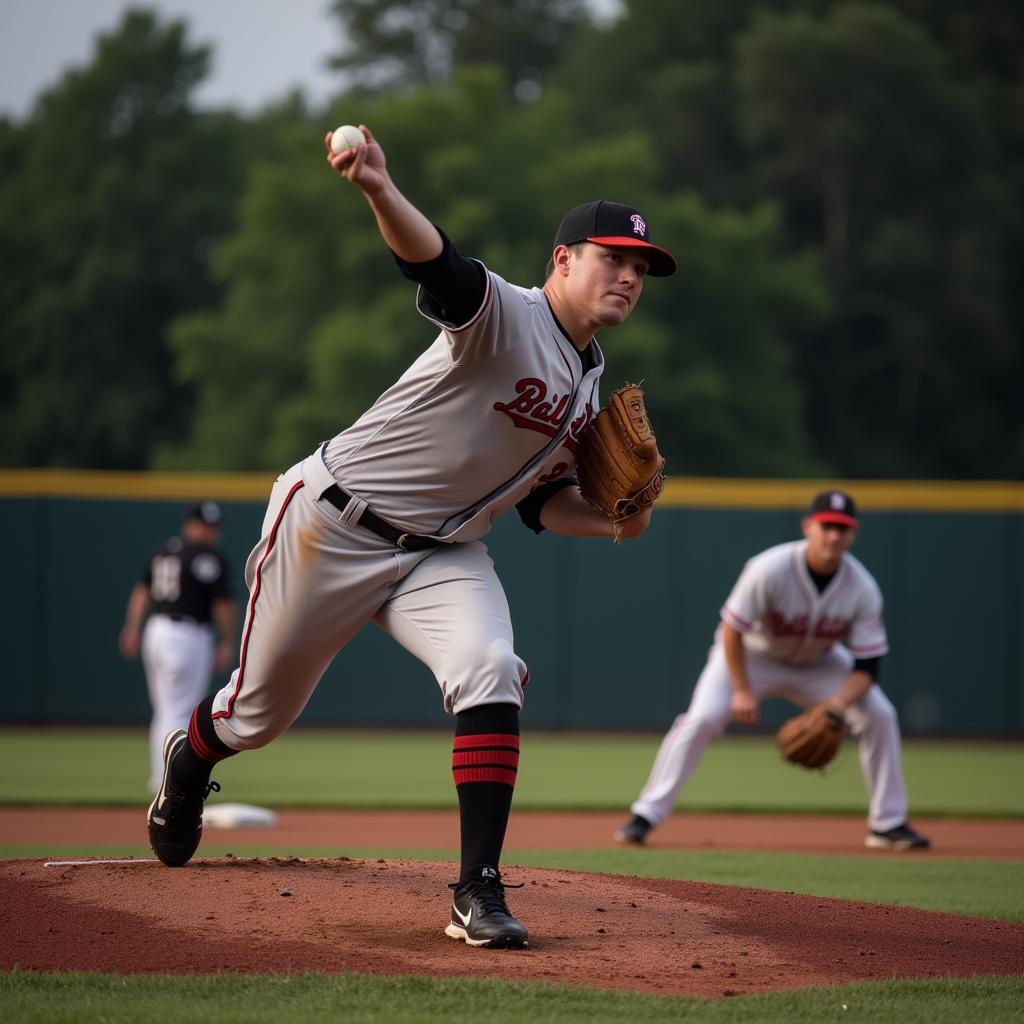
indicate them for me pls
(178, 659)
(315, 581)
(872, 720)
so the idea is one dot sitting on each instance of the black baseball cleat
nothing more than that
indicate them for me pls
(634, 831)
(900, 838)
(175, 816)
(481, 916)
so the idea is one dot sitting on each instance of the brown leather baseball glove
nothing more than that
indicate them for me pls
(617, 461)
(812, 738)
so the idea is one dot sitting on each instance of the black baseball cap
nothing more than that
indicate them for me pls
(206, 512)
(616, 226)
(834, 507)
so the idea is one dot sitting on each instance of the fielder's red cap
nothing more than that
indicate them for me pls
(834, 507)
(616, 226)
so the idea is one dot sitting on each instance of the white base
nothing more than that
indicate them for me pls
(238, 816)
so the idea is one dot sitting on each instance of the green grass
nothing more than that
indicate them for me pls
(558, 771)
(354, 999)
(980, 888)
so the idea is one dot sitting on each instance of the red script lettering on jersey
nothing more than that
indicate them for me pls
(828, 628)
(532, 410)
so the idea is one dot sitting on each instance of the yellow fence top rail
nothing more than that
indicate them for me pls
(871, 495)
(107, 484)
(680, 492)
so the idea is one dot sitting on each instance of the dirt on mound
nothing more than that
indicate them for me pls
(388, 916)
(352, 832)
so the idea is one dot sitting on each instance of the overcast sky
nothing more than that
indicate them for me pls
(262, 48)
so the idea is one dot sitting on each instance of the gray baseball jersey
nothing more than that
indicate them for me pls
(492, 409)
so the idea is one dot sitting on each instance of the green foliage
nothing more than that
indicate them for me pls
(857, 124)
(407, 44)
(842, 181)
(716, 346)
(663, 68)
(865, 124)
(97, 259)
(316, 310)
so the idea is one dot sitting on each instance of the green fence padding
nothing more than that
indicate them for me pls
(614, 636)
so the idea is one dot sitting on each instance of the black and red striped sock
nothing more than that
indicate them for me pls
(194, 762)
(484, 763)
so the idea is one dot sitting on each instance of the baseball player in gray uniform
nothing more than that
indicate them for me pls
(181, 618)
(804, 622)
(384, 522)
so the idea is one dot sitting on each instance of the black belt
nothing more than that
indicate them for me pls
(407, 541)
(177, 617)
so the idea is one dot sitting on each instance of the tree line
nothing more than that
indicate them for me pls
(841, 182)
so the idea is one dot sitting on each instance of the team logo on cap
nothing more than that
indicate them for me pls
(639, 224)
(837, 501)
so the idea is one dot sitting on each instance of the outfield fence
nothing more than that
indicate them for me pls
(614, 636)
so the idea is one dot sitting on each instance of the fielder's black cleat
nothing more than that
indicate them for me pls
(481, 916)
(175, 816)
(634, 831)
(900, 838)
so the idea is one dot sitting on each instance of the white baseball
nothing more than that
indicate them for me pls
(346, 136)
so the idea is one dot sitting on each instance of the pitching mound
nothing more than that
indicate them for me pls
(387, 917)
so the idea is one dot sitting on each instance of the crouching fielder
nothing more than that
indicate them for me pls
(803, 622)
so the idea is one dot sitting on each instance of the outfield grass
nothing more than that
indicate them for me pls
(558, 771)
(355, 999)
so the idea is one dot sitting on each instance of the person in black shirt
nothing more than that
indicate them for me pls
(181, 617)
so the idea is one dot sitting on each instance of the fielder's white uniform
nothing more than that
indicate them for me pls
(184, 580)
(801, 645)
(491, 410)
(177, 655)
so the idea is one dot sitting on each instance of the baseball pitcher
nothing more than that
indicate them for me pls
(385, 521)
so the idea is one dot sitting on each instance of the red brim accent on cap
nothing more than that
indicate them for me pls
(834, 517)
(662, 263)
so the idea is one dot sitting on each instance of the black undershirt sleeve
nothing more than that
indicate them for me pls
(529, 508)
(872, 666)
(454, 284)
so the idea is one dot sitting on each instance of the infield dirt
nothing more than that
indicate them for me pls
(387, 917)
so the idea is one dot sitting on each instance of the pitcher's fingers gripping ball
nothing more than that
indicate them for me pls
(617, 461)
(811, 739)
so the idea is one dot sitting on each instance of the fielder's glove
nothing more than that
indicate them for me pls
(811, 739)
(617, 461)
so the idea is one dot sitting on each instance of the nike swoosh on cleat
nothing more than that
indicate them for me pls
(464, 918)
